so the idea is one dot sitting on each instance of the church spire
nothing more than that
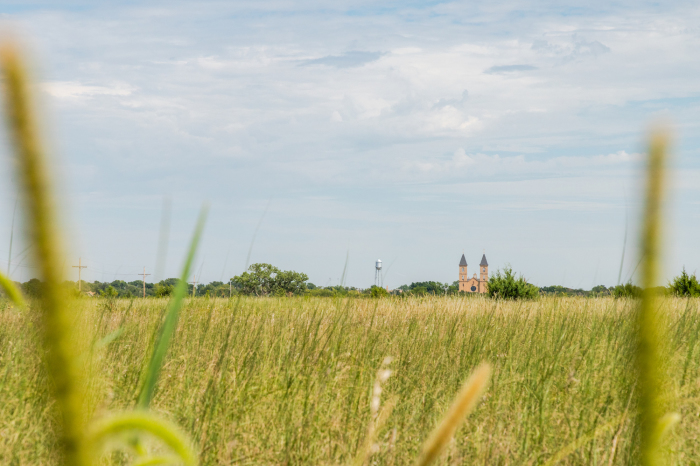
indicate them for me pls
(463, 262)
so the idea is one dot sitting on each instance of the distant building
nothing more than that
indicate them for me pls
(473, 285)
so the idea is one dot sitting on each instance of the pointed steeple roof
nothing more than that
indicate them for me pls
(483, 261)
(463, 262)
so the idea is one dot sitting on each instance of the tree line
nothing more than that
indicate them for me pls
(267, 280)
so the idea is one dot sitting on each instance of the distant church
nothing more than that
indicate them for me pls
(473, 285)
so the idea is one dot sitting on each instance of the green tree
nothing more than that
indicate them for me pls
(109, 292)
(628, 290)
(290, 282)
(378, 292)
(258, 280)
(163, 291)
(505, 285)
(685, 285)
(33, 288)
(266, 279)
(430, 287)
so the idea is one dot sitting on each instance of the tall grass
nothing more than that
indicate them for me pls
(299, 379)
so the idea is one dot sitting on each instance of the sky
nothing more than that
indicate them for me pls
(326, 135)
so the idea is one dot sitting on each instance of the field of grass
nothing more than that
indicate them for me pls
(289, 381)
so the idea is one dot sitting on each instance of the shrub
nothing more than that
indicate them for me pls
(163, 291)
(505, 285)
(685, 285)
(109, 292)
(378, 292)
(628, 290)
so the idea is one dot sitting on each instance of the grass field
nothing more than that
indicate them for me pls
(289, 381)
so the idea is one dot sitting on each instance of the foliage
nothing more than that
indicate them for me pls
(333, 291)
(505, 285)
(163, 291)
(265, 279)
(378, 292)
(429, 287)
(628, 290)
(109, 292)
(33, 288)
(290, 282)
(685, 285)
(557, 290)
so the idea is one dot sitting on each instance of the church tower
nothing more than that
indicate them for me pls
(483, 274)
(463, 274)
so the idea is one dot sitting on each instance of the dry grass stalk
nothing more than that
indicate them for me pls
(377, 418)
(464, 402)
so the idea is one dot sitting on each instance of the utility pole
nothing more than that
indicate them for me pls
(229, 288)
(80, 266)
(144, 280)
(194, 283)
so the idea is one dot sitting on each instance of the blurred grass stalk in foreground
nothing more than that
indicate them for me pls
(80, 444)
(650, 321)
(464, 403)
(41, 225)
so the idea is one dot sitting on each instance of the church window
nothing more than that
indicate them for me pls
(473, 288)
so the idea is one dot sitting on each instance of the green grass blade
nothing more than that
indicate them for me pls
(113, 426)
(11, 291)
(109, 338)
(170, 323)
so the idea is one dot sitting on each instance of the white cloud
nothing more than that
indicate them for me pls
(496, 165)
(74, 89)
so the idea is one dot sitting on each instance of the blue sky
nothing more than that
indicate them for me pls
(406, 131)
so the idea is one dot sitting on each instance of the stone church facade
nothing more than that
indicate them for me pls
(473, 284)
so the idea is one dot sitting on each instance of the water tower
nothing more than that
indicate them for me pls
(377, 267)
